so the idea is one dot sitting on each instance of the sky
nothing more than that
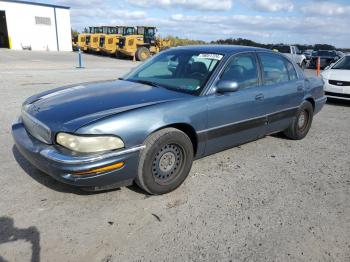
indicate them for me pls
(265, 21)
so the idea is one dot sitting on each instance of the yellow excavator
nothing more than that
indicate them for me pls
(111, 41)
(143, 44)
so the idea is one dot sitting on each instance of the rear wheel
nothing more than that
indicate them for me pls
(142, 53)
(301, 123)
(165, 162)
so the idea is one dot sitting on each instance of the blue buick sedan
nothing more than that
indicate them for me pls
(149, 126)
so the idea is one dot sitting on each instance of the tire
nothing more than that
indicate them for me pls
(165, 162)
(119, 55)
(142, 53)
(301, 124)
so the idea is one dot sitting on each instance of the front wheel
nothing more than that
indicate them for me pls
(142, 53)
(165, 162)
(301, 123)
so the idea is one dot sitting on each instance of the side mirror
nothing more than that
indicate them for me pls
(225, 86)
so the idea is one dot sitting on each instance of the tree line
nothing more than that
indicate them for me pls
(247, 42)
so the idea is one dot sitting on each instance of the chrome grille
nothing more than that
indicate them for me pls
(339, 83)
(36, 128)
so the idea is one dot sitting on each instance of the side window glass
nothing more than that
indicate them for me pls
(274, 69)
(243, 70)
(291, 71)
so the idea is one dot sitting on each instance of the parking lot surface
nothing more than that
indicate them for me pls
(269, 200)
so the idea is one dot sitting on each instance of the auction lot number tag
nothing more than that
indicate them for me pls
(211, 56)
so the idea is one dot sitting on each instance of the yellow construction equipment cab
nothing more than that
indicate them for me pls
(143, 44)
(94, 44)
(75, 43)
(111, 41)
(83, 41)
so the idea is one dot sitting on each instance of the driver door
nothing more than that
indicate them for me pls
(237, 117)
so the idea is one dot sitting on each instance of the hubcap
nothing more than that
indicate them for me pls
(167, 163)
(144, 55)
(302, 120)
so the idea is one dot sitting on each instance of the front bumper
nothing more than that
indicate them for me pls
(62, 167)
(338, 92)
(93, 49)
(319, 103)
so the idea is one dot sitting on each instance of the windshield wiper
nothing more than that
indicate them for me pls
(145, 82)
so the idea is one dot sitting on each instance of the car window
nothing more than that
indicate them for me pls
(293, 49)
(291, 71)
(243, 70)
(274, 68)
(282, 49)
(343, 64)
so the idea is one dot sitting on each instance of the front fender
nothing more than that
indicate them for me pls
(135, 126)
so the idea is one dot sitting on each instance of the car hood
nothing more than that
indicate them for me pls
(337, 74)
(69, 108)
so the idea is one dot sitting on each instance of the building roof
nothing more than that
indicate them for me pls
(35, 3)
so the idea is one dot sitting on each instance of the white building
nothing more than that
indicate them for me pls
(35, 26)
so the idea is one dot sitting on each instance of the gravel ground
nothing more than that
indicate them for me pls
(269, 200)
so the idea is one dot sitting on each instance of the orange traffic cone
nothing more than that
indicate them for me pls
(318, 67)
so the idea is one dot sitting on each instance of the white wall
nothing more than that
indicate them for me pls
(23, 30)
(64, 29)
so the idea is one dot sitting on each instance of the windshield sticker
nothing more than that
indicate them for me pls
(211, 56)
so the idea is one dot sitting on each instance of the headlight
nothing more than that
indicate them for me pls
(89, 144)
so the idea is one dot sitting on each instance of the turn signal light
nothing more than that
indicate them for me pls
(101, 169)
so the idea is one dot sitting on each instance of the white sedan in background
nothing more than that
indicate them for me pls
(337, 79)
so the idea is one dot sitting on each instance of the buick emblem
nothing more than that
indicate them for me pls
(339, 83)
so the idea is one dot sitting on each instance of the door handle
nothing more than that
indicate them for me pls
(259, 97)
(300, 88)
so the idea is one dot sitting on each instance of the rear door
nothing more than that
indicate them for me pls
(282, 88)
(237, 117)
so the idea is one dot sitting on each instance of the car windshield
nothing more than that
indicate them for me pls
(343, 64)
(181, 70)
(326, 53)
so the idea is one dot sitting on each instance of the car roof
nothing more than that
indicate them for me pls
(222, 49)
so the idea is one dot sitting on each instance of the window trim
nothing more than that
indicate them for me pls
(283, 57)
(212, 85)
(287, 61)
